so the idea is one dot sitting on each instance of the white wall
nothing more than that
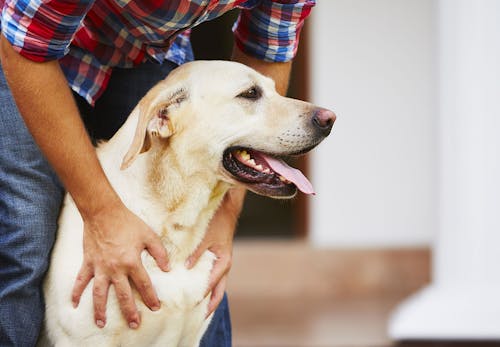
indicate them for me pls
(373, 64)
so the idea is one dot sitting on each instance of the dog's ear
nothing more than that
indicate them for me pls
(153, 122)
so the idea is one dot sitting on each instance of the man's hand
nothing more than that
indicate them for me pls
(219, 240)
(113, 241)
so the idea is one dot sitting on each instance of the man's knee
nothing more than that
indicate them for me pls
(28, 223)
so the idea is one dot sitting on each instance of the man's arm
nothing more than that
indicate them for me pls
(113, 236)
(279, 72)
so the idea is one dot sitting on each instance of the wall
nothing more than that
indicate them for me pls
(373, 62)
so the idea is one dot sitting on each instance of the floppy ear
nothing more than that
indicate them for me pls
(153, 122)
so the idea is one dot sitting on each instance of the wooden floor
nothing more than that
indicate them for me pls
(313, 323)
(308, 322)
(289, 295)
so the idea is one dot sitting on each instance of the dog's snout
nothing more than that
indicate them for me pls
(323, 120)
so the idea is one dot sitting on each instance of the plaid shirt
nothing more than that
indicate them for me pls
(90, 37)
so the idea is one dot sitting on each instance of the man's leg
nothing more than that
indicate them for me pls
(126, 87)
(30, 199)
(218, 333)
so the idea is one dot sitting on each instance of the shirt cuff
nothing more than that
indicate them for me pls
(270, 31)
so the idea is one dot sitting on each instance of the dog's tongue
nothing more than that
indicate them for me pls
(290, 173)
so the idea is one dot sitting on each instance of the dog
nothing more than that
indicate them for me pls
(210, 125)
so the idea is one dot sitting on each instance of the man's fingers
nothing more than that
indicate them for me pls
(221, 267)
(82, 279)
(158, 252)
(100, 298)
(195, 256)
(142, 282)
(216, 297)
(126, 301)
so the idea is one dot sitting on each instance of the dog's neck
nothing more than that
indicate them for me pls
(172, 195)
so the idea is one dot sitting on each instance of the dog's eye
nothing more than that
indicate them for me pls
(253, 93)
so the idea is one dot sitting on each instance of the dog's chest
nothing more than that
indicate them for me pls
(181, 288)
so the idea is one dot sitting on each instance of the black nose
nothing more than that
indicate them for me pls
(323, 120)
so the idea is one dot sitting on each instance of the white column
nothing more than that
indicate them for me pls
(463, 302)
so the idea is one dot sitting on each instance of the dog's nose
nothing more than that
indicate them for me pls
(323, 120)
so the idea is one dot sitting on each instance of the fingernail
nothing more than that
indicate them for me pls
(155, 308)
(187, 263)
(99, 323)
(133, 325)
(75, 305)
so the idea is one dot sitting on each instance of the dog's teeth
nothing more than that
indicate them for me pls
(259, 167)
(266, 170)
(251, 161)
(243, 155)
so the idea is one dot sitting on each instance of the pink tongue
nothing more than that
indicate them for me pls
(290, 173)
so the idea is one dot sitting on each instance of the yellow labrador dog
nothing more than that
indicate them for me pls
(208, 126)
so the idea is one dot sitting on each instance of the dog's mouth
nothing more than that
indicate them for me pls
(265, 174)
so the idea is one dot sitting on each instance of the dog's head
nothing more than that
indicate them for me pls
(226, 118)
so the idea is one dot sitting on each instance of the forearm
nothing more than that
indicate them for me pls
(279, 72)
(113, 237)
(47, 106)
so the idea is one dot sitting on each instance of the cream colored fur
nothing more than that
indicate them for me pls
(175, 186)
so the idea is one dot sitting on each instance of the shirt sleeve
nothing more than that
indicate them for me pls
(42, 30)
(271, 30)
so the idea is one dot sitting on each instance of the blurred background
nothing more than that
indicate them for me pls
(407, 184)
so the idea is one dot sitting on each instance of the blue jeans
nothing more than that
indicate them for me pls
(30, 200)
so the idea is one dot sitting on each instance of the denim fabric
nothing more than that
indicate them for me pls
(218, 333)
(30, 199)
